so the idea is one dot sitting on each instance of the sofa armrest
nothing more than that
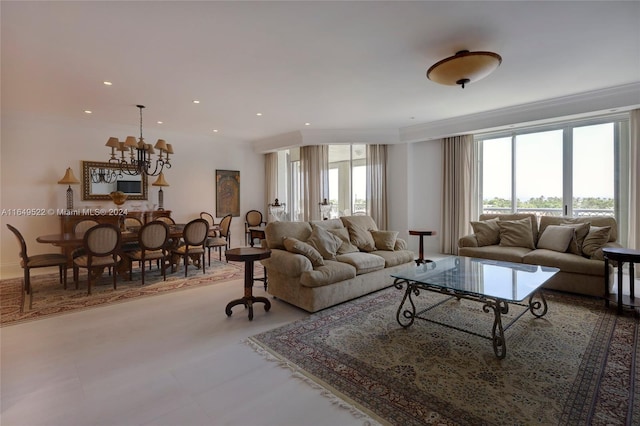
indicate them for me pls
(286, 263)
(468, 241)
(400, 244)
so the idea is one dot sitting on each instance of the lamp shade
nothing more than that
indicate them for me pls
(130, 141)
(113, 143)
(160, 181)
(69, 178)
(161, 145)
(464, 67)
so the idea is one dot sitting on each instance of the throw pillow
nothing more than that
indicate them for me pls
(516, 233)
(385, 240)
(487, 232)
(361, 238)
(294, 245)
(556, 238)
(325, 242)
(581, 231)
(597, 237)
(346, 246)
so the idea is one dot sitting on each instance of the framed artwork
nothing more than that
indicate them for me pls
(227, 193)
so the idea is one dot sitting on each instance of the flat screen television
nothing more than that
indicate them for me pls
(130, 186)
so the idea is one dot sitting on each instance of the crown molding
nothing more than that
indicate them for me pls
(613, 99)
(326, 137)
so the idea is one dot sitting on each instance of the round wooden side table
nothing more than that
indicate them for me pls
(248, 255)
(421, 234)
(620, 255)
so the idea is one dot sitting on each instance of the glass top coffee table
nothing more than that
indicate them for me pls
(494, 283)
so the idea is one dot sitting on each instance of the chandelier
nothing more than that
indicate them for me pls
(464, 67)
(139, 160)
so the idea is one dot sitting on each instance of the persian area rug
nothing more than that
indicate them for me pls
(578, 365)
(50, 298)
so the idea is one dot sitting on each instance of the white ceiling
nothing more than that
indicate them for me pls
(337, 65)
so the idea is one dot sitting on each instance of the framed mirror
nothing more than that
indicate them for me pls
(100, 179)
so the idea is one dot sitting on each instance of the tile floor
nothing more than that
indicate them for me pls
(174, 360)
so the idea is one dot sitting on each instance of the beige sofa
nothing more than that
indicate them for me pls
(314, 265)
(581, 262)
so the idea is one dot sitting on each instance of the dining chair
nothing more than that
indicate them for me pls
(37, 261)
(152, 240)
(132, 222)
(166, 219)
(222, 240)
(194, 235)
(102, 246)
(251, 219)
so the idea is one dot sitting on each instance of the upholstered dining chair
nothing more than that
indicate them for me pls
(222, 240)
(102, 245)
(251, 219)
(132, 222)
(194, 235)
(166, 219)
(37, 261)
(152, 240)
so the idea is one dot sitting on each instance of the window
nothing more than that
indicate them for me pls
(348, 179)
(570, 169)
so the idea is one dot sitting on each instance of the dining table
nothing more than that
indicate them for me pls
(75, 240)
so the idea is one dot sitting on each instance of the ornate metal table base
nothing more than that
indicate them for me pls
(406, 316)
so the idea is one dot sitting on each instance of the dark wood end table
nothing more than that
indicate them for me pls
(620, 255)
(248, 255)
(421, 234)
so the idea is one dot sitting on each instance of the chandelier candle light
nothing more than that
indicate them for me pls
(69, 179)
(140, 154)
(464, 67)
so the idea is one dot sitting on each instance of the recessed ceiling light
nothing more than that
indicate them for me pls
(160, 122)
(307, 124)
(107, 83)
(215, 130)
(195, 101)
(258, 114)
(86, 111)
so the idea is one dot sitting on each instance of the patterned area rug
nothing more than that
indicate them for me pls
(50, 298)
(576, 366)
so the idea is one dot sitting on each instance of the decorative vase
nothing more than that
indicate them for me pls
(118, 197)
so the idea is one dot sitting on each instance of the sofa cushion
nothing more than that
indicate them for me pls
(363, 262)
(516, 233)
(275, 232)
(556, 238)
(593, 220)
(331, 272)
(346, 246)
(396, 257)
(597, 237)
(359, 227)
(580, 232)
(328, 224)
(325, 242)
(294, 245)
(516, 216)
(384, 240)
(508, 254)
(567, 262)
(487, 232)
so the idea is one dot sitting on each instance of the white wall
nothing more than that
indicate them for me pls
(415, 191)
(36, 150)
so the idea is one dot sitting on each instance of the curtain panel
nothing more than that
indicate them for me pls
(271, 180)
(460, 190)
(633, 236)
(377, 184)
(314, 168)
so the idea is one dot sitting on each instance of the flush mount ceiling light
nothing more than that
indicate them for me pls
(464, 67)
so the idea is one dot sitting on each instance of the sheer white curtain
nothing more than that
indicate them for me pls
(314, 168)
(270, 180)
(460, 189)
(633, 237)
(377, 184)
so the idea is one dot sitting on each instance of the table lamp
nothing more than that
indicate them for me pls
(160, 182)
(69, 179)
(325, 209)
